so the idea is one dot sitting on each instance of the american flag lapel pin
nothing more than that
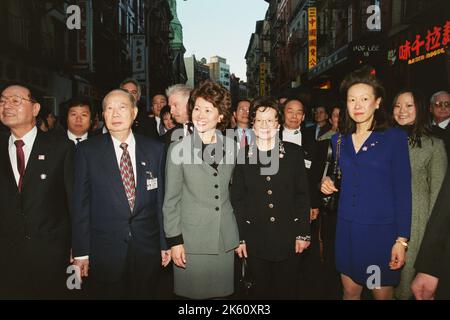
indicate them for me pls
(41, 157)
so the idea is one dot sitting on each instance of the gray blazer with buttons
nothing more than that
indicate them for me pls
(197, 205)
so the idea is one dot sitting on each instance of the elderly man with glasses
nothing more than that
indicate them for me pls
(440, 110)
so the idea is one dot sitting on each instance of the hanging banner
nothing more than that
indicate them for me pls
(84, 36)
(312, 37)
(138, 56)
(262, 79)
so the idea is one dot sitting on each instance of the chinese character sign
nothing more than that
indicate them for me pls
(312, 37)
(425, 46)
(262, 79)
(138, 57)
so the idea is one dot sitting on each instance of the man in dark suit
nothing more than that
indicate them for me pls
(433, 261)
(36, 179)
(78, 118)
(117, 233)
(142, 124)
(159, 101)
(440, 110)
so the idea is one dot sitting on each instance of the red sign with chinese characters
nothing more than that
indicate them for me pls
(421, 48)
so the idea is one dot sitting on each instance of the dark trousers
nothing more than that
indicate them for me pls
(274, 279)
(139, 280)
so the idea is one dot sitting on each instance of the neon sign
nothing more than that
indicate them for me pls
(419, 49)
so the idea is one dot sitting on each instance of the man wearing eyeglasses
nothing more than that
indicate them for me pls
(242, 132)
(440, 109)
(36, 177)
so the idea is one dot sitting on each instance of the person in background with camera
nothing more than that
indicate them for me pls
(272, 209)
(374, 214)
(428, 166)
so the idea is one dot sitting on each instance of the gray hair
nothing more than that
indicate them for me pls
(123, 91)
(436, 94)
(181, 89)
(133, 81)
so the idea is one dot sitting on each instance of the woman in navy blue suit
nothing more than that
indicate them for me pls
(374, 214)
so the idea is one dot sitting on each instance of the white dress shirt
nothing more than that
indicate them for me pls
(74, 137)
(158, 122)
(442, 124)
(28, 139)
(294, 136)
(131, 142)
(132, 151)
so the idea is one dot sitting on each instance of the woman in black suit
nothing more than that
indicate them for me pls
(271, 202)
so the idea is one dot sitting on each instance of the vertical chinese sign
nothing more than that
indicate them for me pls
(312, 37)
(84, 36)
(262, 79)
(138, 56)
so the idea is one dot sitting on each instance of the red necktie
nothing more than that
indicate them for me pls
(20, 161)
(126, 171)
(244, 141)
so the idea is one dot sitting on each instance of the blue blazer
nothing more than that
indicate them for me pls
(102, 224)
(376, 181)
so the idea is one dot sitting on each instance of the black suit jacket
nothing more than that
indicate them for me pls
(443, 134)
(102, 225)
(35, 224)
(434, 254)
(272, 210)
(309, 145)
(145, 126)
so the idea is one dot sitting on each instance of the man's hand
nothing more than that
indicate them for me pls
(178, 256)
(83, 265)
(301, 245)
(313, 213)
(165, 257)
(424, 286)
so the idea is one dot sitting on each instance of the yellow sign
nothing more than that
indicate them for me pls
(262, 79)
(427, 56)
(312, 37)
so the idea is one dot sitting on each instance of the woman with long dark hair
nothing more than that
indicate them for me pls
(428, 167)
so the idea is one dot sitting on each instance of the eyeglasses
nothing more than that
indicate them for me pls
(242, 110)
(15, 101)
(269, 122)
(442, 104)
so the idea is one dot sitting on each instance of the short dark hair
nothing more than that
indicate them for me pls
(422, 124)
(78, 102)
(219, 97)
(265, 103)
(366, 76)
(133, 81)
(164, 111)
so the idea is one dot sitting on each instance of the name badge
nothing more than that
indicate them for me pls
(307, 164)
(152, 184)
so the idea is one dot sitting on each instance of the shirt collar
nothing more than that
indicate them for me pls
(292, 131)
(442, 124)
(28, 138)
(130, 141)
(74, 137)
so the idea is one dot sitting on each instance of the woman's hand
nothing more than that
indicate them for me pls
(178, 256)
(398, 256)
(327, 187)
(301, 245)
(241, 251)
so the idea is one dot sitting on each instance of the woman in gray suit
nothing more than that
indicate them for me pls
(198, 217)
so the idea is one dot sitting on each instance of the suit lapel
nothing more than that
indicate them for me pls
(111, 167)
(142, 166)
(6, 165)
